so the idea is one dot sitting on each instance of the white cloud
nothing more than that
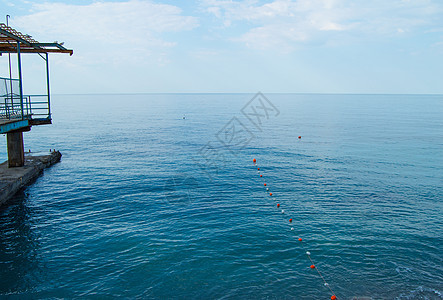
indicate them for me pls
(286, 24)
(107, 31)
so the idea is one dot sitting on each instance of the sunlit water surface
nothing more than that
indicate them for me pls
(146, 203)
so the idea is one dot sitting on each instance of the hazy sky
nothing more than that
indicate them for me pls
(314, 46)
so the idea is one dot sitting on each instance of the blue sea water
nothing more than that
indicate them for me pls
(157, 197)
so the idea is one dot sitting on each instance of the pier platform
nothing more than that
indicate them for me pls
(13, 180)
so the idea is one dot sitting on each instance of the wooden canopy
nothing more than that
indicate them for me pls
(10, 39)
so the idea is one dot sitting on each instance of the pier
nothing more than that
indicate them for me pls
(19, 111)
(13, 180)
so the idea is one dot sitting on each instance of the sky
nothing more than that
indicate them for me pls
(222, 46)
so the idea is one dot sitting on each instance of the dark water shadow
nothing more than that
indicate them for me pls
(18, 246)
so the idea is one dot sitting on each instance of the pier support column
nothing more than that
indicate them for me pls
(16, 151)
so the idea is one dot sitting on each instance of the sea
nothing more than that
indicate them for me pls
(157, 197)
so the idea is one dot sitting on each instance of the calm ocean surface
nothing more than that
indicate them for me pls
(147, 204)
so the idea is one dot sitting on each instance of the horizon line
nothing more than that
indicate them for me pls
(246, 93)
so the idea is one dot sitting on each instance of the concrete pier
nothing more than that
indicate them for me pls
(14, 179)
(16, 152)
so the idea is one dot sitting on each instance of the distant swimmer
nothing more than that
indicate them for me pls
(184, 117)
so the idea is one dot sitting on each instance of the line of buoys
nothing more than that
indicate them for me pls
(312, 266)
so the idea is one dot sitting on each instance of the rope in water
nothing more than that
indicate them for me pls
(313, 265)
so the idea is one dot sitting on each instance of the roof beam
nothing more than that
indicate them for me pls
(48, 45)
(13, 36)
(28, 50)
(10, 38)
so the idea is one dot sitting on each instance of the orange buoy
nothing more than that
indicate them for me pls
(300, 239)
(261, 175)
(254, 160)
(258, 169)
(278, 204)
(265, 184)
(333, 297)
(290, 220)
(299, 136)
(312, 267)
(270, 194)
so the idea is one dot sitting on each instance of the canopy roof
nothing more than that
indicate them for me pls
(9, 38)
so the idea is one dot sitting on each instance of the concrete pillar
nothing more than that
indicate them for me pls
(16, 152)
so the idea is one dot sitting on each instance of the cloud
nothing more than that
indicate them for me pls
(286, 24)
(107, 31)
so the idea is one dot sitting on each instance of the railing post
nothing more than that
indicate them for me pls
(7, 99)
(28, 104)
(47, 85)
(10, 70)
(7, 108)
(20, 77)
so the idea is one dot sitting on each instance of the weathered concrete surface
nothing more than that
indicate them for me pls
(16, 153)
(14, 179)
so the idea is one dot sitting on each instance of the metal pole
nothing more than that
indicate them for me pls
(10, 72)
(47, 85)
(20, 77)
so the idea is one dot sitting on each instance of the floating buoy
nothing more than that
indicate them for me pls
(299, 136)
(312, 266)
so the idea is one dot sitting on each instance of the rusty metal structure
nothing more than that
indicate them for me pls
(19, 112)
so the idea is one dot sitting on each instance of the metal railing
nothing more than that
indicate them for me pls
(9, 86)
(34, 107)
